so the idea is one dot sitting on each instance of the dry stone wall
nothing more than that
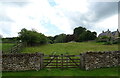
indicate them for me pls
(93, 60)
(34, 61)
(22, 61)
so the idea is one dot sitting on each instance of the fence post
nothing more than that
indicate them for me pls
(62, 60)
(67, 61)
(56, 61)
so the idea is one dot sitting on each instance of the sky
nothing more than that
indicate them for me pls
(53, 17)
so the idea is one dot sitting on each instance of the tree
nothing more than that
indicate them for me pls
(50, 39)
(83, 37)
(32, 37)
(10, 39)
(77, 32)
(69, 38)
(87, 35)
(94, 35)
(60, 38)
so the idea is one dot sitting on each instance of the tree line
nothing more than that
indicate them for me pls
(32, 37)
(80, 34)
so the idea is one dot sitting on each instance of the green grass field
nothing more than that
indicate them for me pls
(6, 46)
(66, 72)
(71, 48)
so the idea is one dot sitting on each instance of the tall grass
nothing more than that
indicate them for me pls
(71, 48)
(6, 46)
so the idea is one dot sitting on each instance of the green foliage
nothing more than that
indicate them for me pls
(108, 40)
(103, 39)
(69, 38)
(32, 37)
(80, 34)
(11, 39)
(107, 43)
(50, 39)
(83, 36)
(116, 41)
(60, 38)
(77, 32)
(87, 35)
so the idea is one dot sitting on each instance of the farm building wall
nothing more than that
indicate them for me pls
(93, 60)
(22, 61)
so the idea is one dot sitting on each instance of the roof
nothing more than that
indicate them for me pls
(103, 34)
(106, 33)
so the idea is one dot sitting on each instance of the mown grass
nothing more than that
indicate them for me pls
(71, 48)
(66, 72)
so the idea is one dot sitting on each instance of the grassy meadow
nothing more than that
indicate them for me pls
(71, 48)
(6, 46)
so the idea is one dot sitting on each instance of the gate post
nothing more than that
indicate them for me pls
(41, 61)
(82, 60)
(62, 60)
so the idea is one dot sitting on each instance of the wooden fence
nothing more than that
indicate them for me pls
(61, 61)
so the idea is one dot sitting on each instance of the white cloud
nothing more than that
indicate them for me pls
(65, 15)
(21, 17)
(72, 5)
(110, 23)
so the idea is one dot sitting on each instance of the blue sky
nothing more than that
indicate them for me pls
(53, 17)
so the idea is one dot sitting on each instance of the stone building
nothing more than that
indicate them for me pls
(108, 33)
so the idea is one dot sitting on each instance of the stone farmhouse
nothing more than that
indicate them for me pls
(108, 33)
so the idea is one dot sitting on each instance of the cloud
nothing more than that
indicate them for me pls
(24, 17)
(52, 17)
(5, 18)
(79, 13)
(110, 23)
(102, 10)
(97, 12)
(15, 4)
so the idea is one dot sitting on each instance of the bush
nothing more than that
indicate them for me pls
(32, 37)
(103, 39)
(60, 38)
(107, 43)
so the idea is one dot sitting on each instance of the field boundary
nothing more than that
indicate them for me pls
(36, 61)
